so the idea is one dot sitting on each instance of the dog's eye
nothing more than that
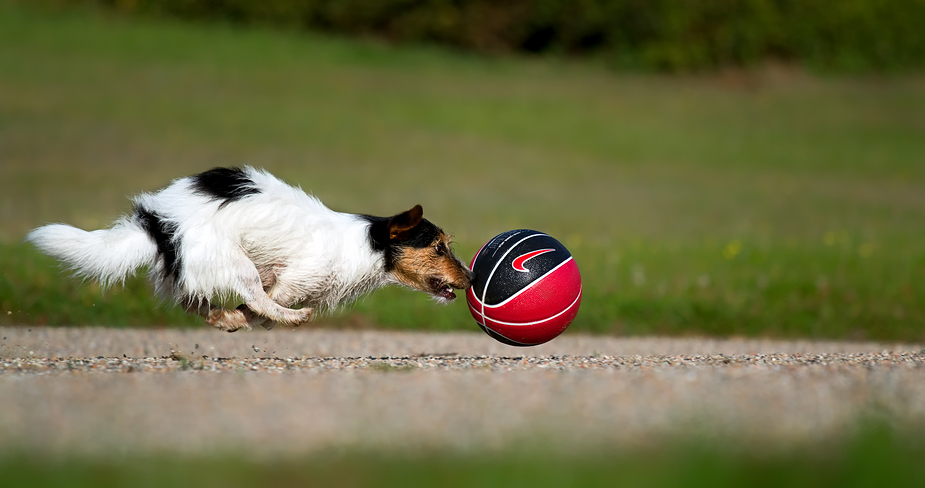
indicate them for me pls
(440, 249)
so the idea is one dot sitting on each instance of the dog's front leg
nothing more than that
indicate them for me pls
(261, 304)
(220, 318)
(254, 320)
(228, 320)
(240, 318)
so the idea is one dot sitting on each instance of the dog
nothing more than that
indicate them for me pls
(242, 233)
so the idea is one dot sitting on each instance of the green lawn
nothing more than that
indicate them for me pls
(875, 458)
(771, 202)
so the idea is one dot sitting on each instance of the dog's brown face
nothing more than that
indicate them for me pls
(420, 256)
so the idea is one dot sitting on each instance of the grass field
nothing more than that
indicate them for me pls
(770, 202)
(872, 459)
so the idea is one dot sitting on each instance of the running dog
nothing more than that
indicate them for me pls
(242, 233)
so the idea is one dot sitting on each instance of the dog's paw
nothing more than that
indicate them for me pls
(228, 320)
(282, 315)
(304, 315)
(253, 320)
(295, 317)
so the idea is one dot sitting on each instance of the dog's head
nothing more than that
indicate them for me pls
(419, 255)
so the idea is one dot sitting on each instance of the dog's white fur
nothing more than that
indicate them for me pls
(318, 257)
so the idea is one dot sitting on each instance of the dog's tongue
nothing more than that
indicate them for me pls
(447, 292)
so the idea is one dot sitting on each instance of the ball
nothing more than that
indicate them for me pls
(526, 290)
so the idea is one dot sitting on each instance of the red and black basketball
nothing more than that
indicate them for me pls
(527, 288)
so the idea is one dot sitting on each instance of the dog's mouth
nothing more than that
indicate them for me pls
(441, 289)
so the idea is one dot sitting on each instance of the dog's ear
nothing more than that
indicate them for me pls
(401, 225)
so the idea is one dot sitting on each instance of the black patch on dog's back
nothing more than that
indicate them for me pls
(422, 235)
(165, 237)
(226, 184)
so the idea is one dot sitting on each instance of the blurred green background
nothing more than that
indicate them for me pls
(873, 458)
(765, 196)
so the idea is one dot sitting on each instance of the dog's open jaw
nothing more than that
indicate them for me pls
(441, 290)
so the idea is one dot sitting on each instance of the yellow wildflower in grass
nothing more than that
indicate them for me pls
(866, 249)
(732, 249)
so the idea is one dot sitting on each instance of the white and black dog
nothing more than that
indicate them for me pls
(231, 232)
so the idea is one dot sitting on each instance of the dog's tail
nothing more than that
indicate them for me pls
(108, 255)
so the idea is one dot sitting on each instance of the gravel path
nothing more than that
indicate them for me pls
(294, 391)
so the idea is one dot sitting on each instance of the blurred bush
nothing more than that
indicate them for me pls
(668, 35)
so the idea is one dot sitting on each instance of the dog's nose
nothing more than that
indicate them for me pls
(470, 276)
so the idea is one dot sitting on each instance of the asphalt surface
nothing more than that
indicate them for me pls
(295, 391)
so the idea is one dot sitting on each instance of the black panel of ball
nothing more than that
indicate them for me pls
(513, 260)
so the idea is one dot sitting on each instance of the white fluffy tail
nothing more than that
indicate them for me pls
(108, 255)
